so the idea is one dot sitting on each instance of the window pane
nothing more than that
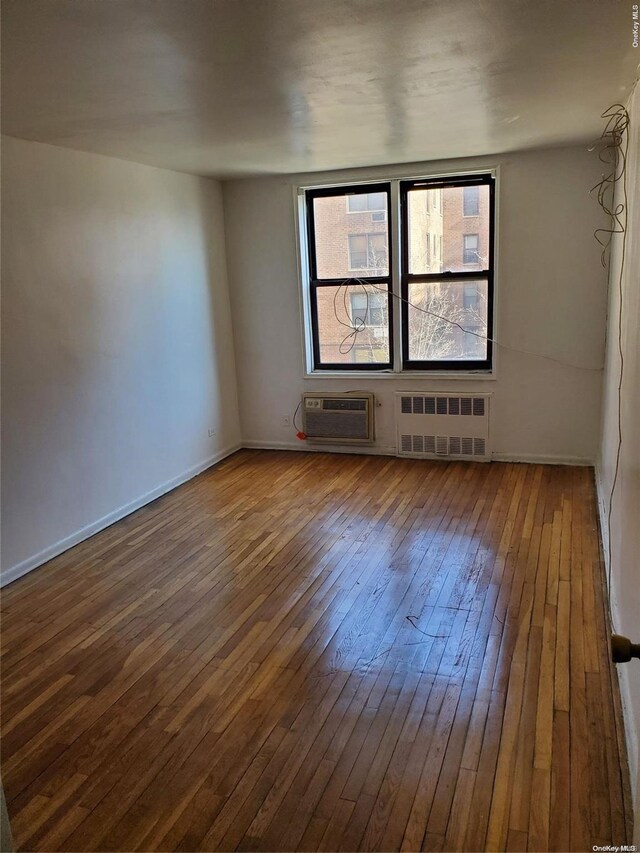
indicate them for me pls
(470, 201)
(353, 324)
(434, 339)
(470, 249)
(368, 252)
(350, 242)
(366, 201)
(357, 202)
(358, 253)
(376, 201)
(438, 225)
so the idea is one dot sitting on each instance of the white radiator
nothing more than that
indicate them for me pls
(437, 426)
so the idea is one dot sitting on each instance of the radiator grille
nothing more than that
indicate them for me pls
(443, 445)
(443, 405)
(443, 425)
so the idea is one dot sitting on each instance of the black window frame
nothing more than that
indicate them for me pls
(315, 283)
(407, 278)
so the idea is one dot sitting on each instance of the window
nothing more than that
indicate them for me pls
(368, 309)
(441, 287)
(470, 250)
(359, 202)
(447, 307)
(373, 203)
(470, 201)
(349, 278)
(367, 251)
(470, 297)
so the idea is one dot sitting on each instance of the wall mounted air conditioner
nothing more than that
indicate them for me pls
(343, 418)
(437, 426)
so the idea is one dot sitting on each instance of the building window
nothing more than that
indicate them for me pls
(470, 297)
(470, 201)
(470, 249)
(362, 202)
(368, 309)
(372, 203)
(441, 288)
(367, 251)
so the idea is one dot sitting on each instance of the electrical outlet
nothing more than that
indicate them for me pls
(286, 420)
(211, 431)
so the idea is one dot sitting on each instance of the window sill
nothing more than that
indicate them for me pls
(349, 375)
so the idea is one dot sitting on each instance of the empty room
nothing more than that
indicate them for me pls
(320, 413)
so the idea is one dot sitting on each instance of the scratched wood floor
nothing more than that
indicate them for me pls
(321, 652)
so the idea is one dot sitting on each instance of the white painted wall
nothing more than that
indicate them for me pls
(117, 352)
(551, 299)
(625, 517)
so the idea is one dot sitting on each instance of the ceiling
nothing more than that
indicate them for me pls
(246, 87)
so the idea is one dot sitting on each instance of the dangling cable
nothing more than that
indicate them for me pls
(614, 145)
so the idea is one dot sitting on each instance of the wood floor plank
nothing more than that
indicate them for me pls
(308, 651)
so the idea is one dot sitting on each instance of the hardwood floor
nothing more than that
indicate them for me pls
(322, 652)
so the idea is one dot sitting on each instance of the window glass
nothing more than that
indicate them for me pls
(357, 202)
(447, 318)
(353, 324)
(446, 225)
(470, 249)
(470, 201)
(348, 238)
(368, 252)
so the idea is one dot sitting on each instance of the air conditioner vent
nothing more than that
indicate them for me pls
(443, 426)
(346, 404)
(338, 418)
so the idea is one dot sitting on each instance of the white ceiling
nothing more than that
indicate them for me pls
(239, 87)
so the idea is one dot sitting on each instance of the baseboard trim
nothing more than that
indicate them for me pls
(544, 459)
(630, 725)
(25, 566)
(391, 450)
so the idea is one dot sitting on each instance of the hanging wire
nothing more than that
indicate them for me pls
(613, 153)
(359, 326)
(613, 146)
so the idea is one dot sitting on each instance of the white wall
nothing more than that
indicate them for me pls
(117, 352)
(551, 299)
(625, 517)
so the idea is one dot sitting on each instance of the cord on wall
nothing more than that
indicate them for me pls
(613, 146)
